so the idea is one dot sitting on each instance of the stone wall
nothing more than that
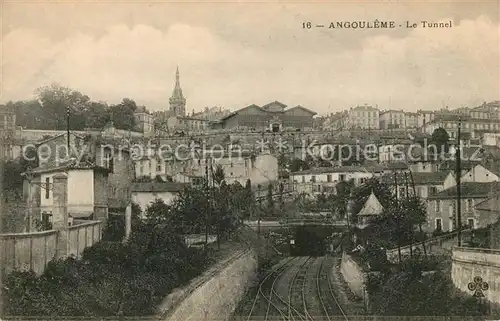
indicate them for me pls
(215, 294)
(468, 263)
(354, 275)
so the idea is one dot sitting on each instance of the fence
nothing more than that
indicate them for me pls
(433, 245)
(27, 251)
(32, 251)
(82, 236)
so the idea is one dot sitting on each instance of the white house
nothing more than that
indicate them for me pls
(145, 193)
(479, 174)
(491, 139)
(424, 184)
(323, 179)
(87, 191)
(260, 169)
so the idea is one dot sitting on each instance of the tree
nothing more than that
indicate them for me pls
(123, 114)
(361, 193)
(440, 139)
(283, 161)
(218, 175)
(97, 115)
(298, 164)
(338, 202)
(55, 99)
(270, 200)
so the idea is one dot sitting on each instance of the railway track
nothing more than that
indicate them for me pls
(310, 293)
(330, 307)
(310, 290)
(266, 296)
(296, 299)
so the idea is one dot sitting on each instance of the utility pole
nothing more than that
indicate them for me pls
(410, 221)
(397, 217)
(68, 111)
(458, 173)
(218, 214)
(259, 211)
(207, 223)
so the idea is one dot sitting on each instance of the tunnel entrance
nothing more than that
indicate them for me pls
(308, 241)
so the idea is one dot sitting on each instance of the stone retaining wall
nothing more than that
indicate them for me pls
(354, 275)
(468, 263)
(214, 295)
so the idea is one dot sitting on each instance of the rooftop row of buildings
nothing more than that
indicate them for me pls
(369, 117)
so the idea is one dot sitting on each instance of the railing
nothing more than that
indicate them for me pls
(434, 240)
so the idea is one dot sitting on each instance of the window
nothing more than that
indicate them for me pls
(313, 178)
(438, 206)
(469, 205)
(342, 177)
(158, 167)
(432, 190)
(47, 187)
(470, 222)
(303, 179)
(329, 178)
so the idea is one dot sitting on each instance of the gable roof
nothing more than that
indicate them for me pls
(56, 137)
(419, 178)
(266, 106)
(234, 113)
(372, 206)
(303, 108)
(70, 165)
(326, 170)
(479, 166)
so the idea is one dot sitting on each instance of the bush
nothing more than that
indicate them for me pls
(375, 256)
(112, 278)
(409, 293)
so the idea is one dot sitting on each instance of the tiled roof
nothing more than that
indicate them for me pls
(372, 207)
(325, 170)
(493, 151)
(398, 165)
(419, 178)
(490, 204)
(47, 168)
(158, 187)
(469, 190)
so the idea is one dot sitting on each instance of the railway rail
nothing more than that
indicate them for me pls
(310, 292)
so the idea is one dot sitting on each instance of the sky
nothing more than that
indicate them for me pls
(233, 54)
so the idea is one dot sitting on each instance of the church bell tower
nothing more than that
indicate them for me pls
(177, 101)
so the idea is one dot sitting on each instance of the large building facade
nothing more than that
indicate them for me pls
(363, 117)
(273, 117)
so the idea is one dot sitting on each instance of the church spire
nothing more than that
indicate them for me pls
(177, 101)
(177, 89)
